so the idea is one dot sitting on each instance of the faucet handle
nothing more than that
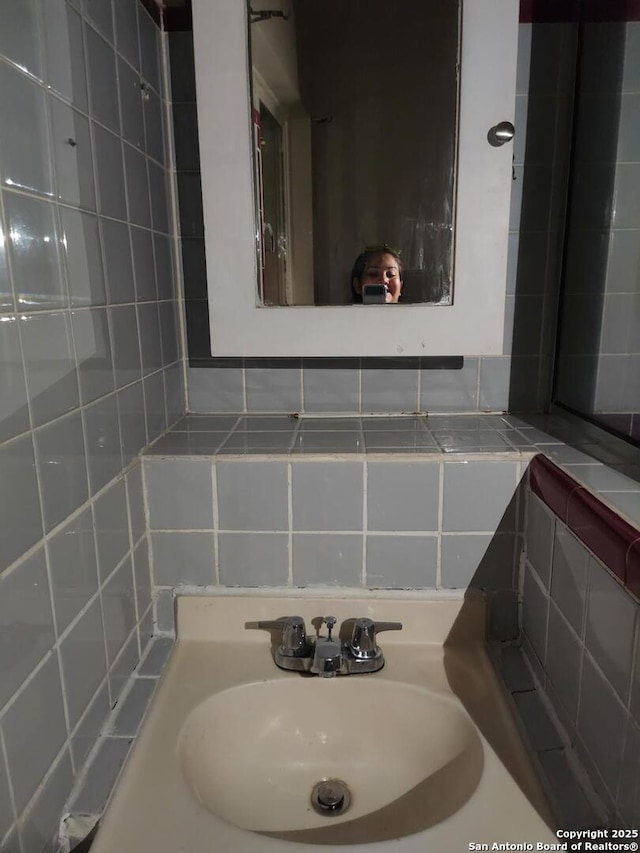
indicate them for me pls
(363, 638)
(294, 634)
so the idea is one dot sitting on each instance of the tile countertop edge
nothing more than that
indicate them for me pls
(602, 528)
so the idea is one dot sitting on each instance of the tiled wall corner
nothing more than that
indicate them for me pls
(580, 631)
(90, 372)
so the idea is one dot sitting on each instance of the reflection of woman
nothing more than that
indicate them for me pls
(377, 265)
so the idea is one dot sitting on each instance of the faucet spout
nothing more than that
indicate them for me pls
(327, 657)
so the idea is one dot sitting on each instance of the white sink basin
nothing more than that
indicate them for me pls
(232, 746)
(393, 744)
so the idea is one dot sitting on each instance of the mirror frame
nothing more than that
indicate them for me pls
(473, 324)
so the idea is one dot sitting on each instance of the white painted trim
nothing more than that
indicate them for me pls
(473, 325)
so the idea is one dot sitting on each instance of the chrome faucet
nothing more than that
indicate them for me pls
(327, 656)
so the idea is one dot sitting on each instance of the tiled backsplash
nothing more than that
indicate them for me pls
(370, 502)
(580, 631)
(89, 374)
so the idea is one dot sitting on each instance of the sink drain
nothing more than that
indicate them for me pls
(330, 797)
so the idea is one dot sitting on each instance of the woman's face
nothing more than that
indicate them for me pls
(383, 269)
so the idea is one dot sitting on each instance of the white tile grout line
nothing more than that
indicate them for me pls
(216, 522)
(441, 473)
(365, 520)
(290, 525)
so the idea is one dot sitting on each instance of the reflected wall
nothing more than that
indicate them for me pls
(598, 367)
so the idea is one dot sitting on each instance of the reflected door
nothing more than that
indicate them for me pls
(270, 159)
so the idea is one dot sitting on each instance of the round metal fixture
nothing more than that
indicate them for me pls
(330, 797)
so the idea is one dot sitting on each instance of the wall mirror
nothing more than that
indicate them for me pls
(443, 200)
(345, 157)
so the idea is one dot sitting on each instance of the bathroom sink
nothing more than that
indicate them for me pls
(239, 755)
(393, 745)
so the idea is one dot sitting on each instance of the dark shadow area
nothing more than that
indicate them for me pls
(486, 670)
(590, 208)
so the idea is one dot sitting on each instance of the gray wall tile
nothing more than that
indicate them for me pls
(389, 390)
(49, 365)
(72, 158)
(118, 609)
(99, 14)
(25, 159)
(564, 662)
(327, 559)
(143, 264)
(126, 30)
(133, 707)
(7, 814)
(601, 724)
(450, 390)
(539, 532)
(154, 661)
(402, 562)
(73, 567)
(216, 389)
(88, 730)
(135, 164)
(179, 494)
(133, 428)
(155, 405)
(482, 561)
(19, 500)
(610, 625)
(109, 162)
(64, 49)
(62, 466)
(93, 352)
(37, 280)
(26, 616)
(118, 260)
(569, 576)
(331, 389)
(19, 40)
(13, 391)
(136, 502)
(252, 496)
(183, 558)
(127, 365)
(34, 730)
(102, 431)
(535, 613)
(111, 519)
(41, 822)
(403, 495)
(164, 604)
(103, 772)
(130, 104)
(142, 577)
(253, 559)
(463, 482)
(273, 389)
(103, 87)
(327, 495)
(124, 663)
(83, 258)
(82, 656)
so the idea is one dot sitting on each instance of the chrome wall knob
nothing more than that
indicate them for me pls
(500, 133)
